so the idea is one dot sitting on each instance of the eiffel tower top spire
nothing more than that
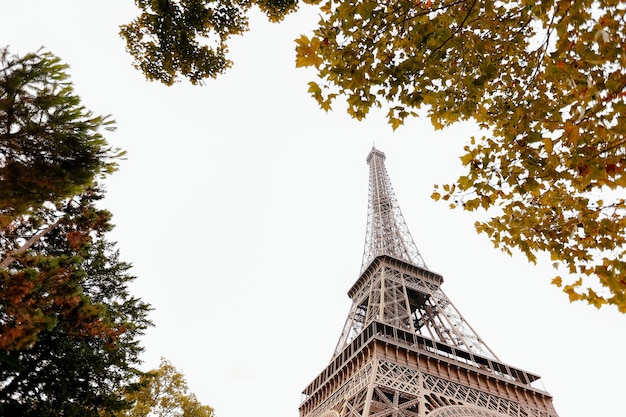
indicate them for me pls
(387, 232)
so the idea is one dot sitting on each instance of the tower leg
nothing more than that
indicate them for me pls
(370, 390)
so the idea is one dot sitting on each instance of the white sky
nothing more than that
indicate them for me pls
(243, 208)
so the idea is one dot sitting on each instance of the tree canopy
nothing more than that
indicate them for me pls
(53, 153)
(69, 328)
(164, 392)
(51, 146)
(545, 80)
(188, 38)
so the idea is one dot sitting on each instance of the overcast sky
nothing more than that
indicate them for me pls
(242, 207)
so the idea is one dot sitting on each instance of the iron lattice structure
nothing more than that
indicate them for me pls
(387, 232)
(405, 350)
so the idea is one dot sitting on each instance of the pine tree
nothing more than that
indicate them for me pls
(69, 328)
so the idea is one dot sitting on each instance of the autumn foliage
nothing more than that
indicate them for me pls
(42, 287)
(163, 392)
(544, 80)
(68, 326)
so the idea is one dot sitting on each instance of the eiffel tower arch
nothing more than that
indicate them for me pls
(405, 350)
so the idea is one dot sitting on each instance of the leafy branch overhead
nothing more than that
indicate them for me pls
(544, 79)
(188, 38)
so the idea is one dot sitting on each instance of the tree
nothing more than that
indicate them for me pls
(545, 80)
(173, 38)
(69, 327)
(45, 283)
(163, 392)
(52, 153)
(51, 147)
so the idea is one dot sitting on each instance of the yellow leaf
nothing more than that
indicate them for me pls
(471, 205)
(594, 299)
(306, 52)
(573, 295)
(547, 143)
(314, 88)
(571, 134)
(464, 182)
(395, 123)
(326, 7)
(467, 158)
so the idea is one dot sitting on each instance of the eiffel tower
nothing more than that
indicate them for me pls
(405, 350)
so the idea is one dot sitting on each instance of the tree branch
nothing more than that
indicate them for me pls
(11, 257)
